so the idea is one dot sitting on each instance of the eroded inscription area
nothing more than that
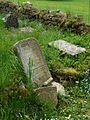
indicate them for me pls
(29, 50)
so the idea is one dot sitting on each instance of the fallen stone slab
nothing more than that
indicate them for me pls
(67, 47)
(29, 49)
(26, 29)
(47, 94)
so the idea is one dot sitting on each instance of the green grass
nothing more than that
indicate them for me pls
(80, 7)
(75, 104)
(11, 72)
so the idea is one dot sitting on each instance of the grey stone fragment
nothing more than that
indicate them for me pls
(26, 29)
(47, 94)
(60, 88)
(11, 20)
(67, 47)
(29, 49)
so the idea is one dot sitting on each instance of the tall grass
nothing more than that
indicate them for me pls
(15, 106)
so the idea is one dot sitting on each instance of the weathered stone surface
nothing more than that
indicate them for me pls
(26, 29)
(67, 47)
(11, 20)
(60, 88)
(48, 94)
(30, 49)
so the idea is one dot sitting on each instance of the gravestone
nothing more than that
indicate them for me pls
(67, 47)
(40, 76)
(29, 49)
(11, 20)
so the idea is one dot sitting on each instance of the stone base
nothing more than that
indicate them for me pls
(47, 94)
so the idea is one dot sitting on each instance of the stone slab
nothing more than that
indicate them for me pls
(26, 29)
(67, 47)
(29, 49)
(47, 94)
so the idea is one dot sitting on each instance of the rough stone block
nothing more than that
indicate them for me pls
(47, 94)
(11, 20)
(60, 88)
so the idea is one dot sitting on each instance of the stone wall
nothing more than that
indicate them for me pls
(51, 18)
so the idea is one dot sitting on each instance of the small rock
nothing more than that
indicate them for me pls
(11, 20)
(26, 29)
(60, 88)
(46, 83)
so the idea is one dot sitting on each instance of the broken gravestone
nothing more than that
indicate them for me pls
(29, 49)
(11, 20)
(47, 94)
(67, 47)
(41, 78)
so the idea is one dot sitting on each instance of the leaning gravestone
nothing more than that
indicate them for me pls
(67, 47)
(11, 20)
(29, 49)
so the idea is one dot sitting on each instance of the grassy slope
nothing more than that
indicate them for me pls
(80, 7)
(11, 73)
(10, 69)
